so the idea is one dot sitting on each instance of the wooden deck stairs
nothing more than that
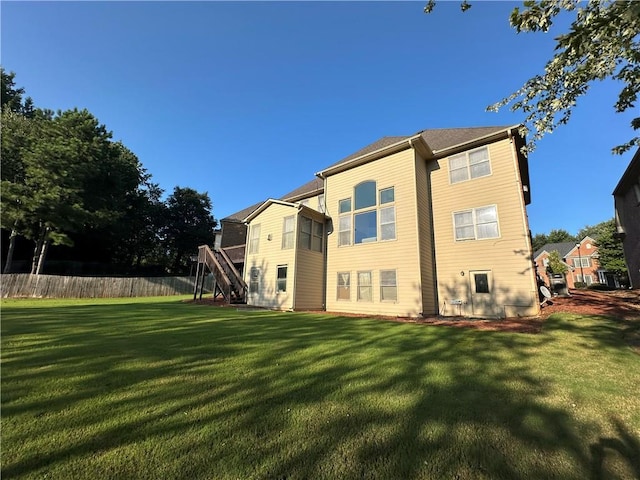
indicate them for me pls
(227, 280)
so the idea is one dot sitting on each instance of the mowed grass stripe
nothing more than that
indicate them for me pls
(160, 388)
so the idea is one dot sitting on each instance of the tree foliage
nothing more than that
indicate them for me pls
(556, 265)
(65, 182)
(602, 43)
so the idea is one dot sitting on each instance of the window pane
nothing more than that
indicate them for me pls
(254, 278)
(365, 227)
(344, 229)
(480, 170)
(486, 214)
(387, 195)
(318, 229)
(254, 240)
(316, 244)
(482, 282)
(364, 286)
(344, 286)
(478, 156)
(464, 233)
(388, 223)
(287, 232)
(305, 224)
(459, 175)
(388, 277)
(488, 230)
(344, 206)
(388, 293)
(457, 162)
(282, 279)
(365, 194)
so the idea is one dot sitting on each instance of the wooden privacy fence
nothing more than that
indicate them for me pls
(54, 286)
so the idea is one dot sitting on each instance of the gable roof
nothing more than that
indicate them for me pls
(242, 214)
(563, 248)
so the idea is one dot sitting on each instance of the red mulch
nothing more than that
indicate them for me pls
(621, 304)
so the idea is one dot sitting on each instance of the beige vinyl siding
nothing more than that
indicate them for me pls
(401, 254)
(507, 257)
(425, 235)
(312, 202)
(269, 256)
(309, 280)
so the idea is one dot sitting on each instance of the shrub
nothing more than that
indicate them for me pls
(580, 285)
(600, 286)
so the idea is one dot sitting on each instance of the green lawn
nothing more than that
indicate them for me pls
(162, 389)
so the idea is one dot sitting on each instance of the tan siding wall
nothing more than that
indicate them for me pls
(309, 280)
(401, 254)
(507, 258)
(269, 256)
(425, 233)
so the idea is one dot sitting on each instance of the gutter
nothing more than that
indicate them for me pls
(480, 141)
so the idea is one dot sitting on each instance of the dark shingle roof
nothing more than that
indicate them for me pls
(311, 186)
(437, 139)
(562, 248)
(242, 214)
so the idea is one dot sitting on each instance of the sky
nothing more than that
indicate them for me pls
(247, 100)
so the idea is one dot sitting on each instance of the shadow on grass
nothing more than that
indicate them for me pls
(197, 392)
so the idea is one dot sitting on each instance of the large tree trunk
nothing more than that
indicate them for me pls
(38, 257)
(43, 254)
(12, 247)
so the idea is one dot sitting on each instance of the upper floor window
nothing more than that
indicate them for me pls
(288, 231)
(254, 238)
(476, 223)
(467, 165)
(373, 217)
(581, 260)
(321, 208)
(311, 234)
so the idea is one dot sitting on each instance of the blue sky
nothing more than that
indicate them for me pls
(247, 100)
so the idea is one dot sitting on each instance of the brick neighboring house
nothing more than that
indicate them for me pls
(582, 263)
(627, 207)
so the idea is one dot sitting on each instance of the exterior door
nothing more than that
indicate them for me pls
(482, 296)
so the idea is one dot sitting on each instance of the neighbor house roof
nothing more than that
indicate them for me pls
(563, 248)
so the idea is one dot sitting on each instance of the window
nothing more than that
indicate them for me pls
(311, 234)
(364, 287)
(287, 232)
(281, 281)
(588, 279)
(321, 208)
(344, 286)
(344, 230)
(585, 262)
(365, 195)
(365, 227)
(344, 206)
(316, 238)
(367, 213)
(388, 285)
(468, 165)
(476, 224)
(254, 239)
(388, 223)
(254, 280)
(387, 195)
(481, 281)
(304, 239)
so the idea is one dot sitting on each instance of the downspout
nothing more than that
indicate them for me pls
(326, 247)
(525, 223)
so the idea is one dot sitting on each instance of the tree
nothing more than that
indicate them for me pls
(538, 241)
(610, 251)
(602, 43)
(11, 97)
(556, 265)
(189, 224)
(560, 236)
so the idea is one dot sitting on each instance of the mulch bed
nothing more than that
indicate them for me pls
(621, 304)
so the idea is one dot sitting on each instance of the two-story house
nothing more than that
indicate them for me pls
(433, 223)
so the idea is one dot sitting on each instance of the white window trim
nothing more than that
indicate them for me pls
(278, 267)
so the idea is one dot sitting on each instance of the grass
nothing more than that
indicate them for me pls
(159, 388)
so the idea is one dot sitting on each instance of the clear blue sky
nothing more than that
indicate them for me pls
(247, 100)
